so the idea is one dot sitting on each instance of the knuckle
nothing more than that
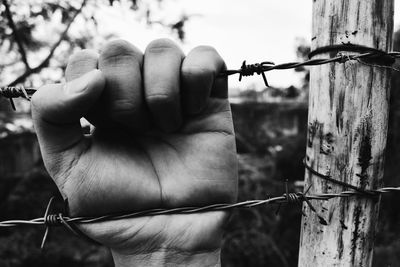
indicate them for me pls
(160, 99)
(209, 51)
(209, 57)
(118, 48)
(161, 45)
(81, 62)
(206, 48)
(196, 70)
(83, 56)
(124, 107)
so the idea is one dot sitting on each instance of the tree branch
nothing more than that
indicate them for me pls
(46, 61)
(16, 34)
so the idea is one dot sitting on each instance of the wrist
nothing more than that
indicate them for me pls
(165, 240)
(174, 240)
(169, 257)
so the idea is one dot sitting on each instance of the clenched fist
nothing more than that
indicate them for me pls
(163, 138)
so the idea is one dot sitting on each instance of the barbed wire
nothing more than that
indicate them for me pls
(245, 70)
(368, 58)
(11, 92)
(54, 219)
(59, 219)
(261, 68)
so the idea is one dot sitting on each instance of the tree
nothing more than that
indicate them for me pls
(36, 37)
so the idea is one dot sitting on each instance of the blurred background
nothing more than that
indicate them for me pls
(36, 39)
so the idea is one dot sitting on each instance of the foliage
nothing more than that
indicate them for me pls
(36, 37)
(22, 247)
(267, 235)
(255, 237)
(302, 51)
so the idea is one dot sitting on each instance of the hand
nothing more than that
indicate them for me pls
(163, 138)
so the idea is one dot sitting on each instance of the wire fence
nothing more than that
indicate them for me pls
(56, 219)
(368, 56)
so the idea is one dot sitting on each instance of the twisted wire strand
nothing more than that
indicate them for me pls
(338, 182)
(261, 68)
(247, 70)
(59, 220)
(11, 92)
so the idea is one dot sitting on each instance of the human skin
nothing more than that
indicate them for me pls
(163, 138)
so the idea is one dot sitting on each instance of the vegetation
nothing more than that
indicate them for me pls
(268, 154)
(37, 37)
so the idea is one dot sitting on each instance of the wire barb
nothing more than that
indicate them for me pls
(16, 91)
(366, 56)
(251, 69)
(50, 220)
(11, 92)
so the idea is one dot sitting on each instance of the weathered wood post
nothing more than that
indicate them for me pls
(348, 119)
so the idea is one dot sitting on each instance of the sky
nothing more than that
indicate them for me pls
(253, 30)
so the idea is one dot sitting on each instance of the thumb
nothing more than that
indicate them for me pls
(57, 109)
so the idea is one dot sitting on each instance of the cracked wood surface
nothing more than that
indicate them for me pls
(347, 129)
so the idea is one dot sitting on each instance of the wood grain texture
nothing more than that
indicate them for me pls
(347, 129)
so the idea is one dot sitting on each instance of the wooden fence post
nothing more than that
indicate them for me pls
(347, 128)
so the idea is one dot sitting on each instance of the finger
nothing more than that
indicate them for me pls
(162, 63)
(199, 71)
(121, 64)
(79, 64)
(57, 109)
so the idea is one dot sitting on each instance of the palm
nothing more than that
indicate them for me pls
(126, 168)
(195, 166)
